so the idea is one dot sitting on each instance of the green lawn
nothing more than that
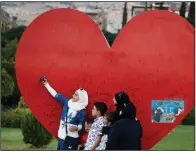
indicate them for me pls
(181, 138)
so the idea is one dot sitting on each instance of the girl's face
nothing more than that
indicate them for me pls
(75, 97)
(114, 100)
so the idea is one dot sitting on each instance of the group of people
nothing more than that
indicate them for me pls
(118, 130)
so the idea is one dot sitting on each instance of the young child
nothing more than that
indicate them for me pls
(109, 119)
(73, 116)
(98, 112)
(88, 124)
(84, 133)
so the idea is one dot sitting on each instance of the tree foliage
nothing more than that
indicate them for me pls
(110, 37)
(12, 34)
(10, 93)
(8, 72)
(183, 9)
(21, 103)
(33, 132)
(124, 19)
(191, 15)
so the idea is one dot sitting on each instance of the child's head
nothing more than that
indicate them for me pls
(109, 118)
(80, 96)
(75, 96)
(99, 109)
(88, 124)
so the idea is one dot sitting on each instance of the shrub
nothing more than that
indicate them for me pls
(190, 118)
(12, 117)
(21, 103)
(34, 133)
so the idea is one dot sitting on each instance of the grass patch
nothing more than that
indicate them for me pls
(181, 138)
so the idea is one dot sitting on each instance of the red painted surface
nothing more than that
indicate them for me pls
(83, 138)
(152, 58)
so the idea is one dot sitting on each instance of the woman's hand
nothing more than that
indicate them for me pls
(43, 79)
(73, 128)
(79, 146)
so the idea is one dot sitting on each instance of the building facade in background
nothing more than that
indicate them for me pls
(98, 15)
(107, 15)
(172, 7)
(6, 21)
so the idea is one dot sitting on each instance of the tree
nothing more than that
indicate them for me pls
(183, 9)
(191, 15)
(161, 6)
(110, 37)
(7, 83)
(7, 73)
(12, 34)
(146, 6)
(124, 20)
(9, 44)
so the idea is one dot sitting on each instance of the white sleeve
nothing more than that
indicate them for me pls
(79, 127)
(50, 89)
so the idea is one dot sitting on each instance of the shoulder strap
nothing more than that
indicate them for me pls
(66, 122)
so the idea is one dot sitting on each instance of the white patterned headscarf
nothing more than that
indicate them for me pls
(81, 103)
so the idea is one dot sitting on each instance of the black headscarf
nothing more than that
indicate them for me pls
(122, 100)
(129, 112)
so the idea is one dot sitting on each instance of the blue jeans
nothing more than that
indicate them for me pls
(60, 144)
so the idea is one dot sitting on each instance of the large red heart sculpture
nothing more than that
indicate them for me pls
(151, 59)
